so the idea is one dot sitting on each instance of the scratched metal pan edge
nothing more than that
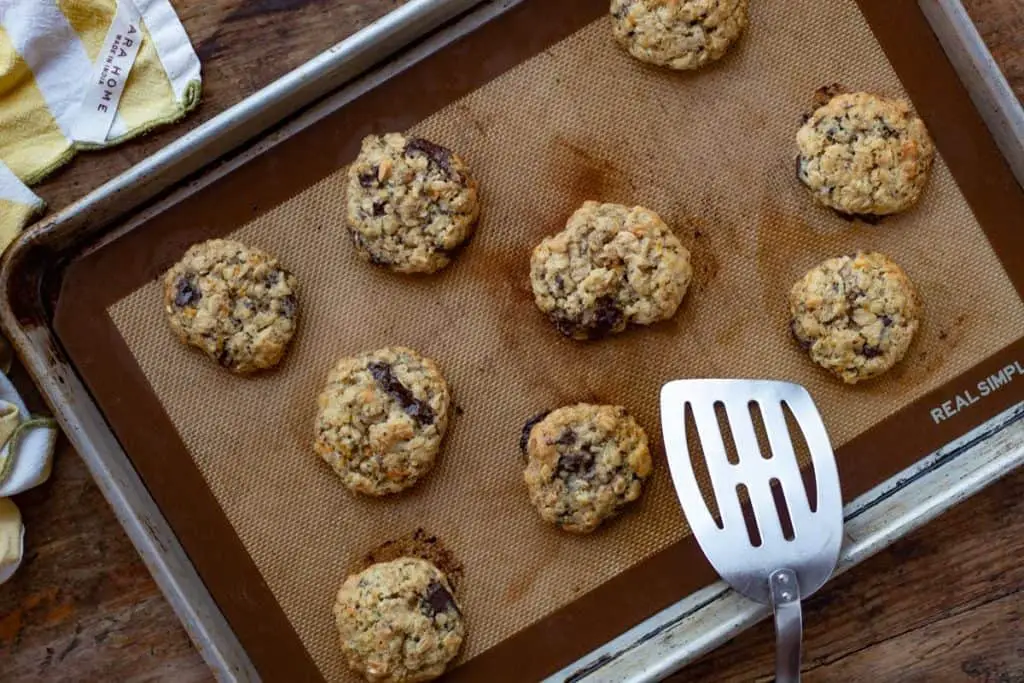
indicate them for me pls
(24, 318)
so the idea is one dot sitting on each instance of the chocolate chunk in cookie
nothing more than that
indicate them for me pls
(524, 436)
(442, 156)
(186, 292)
(438, 599)
(415, 408)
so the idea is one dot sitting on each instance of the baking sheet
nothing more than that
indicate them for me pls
(712, 152)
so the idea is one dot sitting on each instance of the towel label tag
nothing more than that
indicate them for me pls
(109, 73)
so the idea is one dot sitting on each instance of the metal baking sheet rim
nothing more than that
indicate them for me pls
(653, 649)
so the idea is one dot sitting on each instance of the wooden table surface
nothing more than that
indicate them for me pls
(945, 604)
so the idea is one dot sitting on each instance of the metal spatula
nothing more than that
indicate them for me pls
(788, 547)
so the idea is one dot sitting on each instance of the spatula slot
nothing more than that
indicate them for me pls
(731, 454)
(762, 436)
(803, 456)
(782, 507)
(700, 466)
(748, 515)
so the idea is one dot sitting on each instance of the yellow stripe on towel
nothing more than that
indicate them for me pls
(31, 143)
(13, 215)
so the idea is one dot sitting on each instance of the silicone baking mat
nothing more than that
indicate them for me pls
(545, 123)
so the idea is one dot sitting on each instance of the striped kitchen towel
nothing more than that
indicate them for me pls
(83, 74)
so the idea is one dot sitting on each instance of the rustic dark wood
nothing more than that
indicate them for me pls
(942, 605)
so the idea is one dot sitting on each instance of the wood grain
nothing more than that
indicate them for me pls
(944, 604)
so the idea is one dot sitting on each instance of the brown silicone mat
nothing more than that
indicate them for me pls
(550, 120)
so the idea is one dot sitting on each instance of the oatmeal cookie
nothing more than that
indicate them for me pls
(680, 34)
(399, 622)
(234, 302)
(611, 266)
(382, 418)
(862, 154)
(584, 464)
(855, 315)
(411, 203)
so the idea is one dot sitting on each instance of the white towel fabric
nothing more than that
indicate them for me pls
(18, 205)
(28, 441)
(25, 461)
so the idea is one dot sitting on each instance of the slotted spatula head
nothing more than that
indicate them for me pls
(814, 534)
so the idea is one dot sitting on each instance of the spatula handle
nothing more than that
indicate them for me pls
(785, 593)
